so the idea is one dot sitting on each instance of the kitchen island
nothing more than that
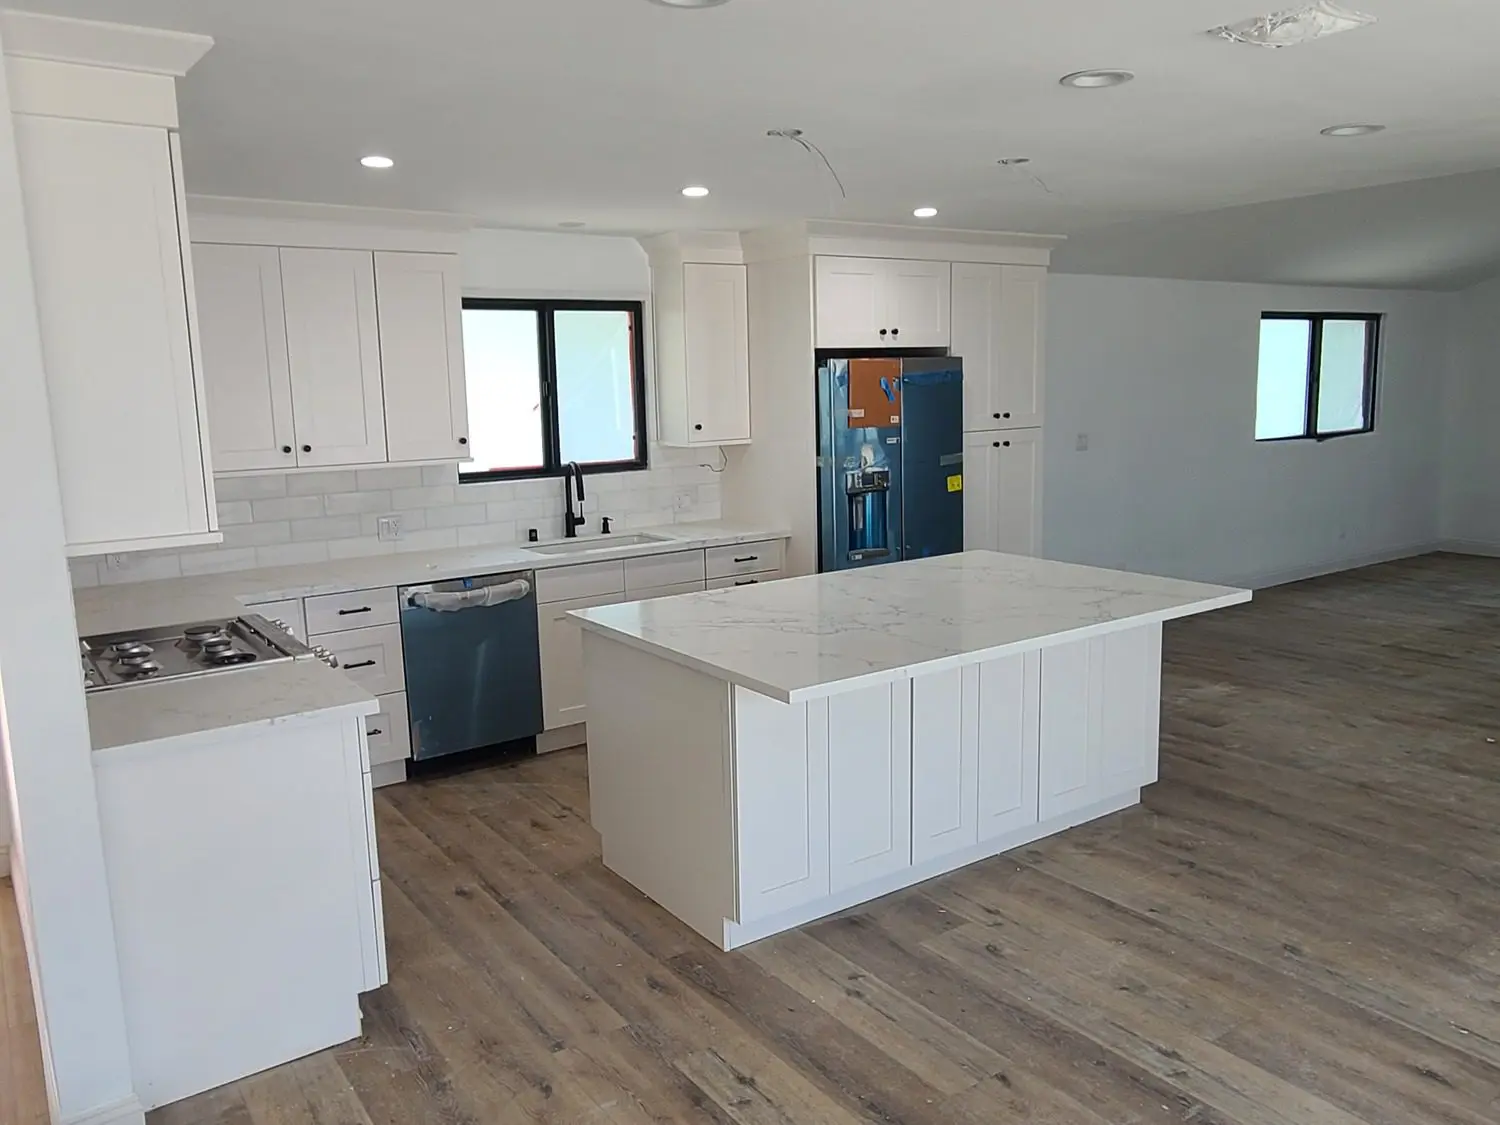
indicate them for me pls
(765, 756)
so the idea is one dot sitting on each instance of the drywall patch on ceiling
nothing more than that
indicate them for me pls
(1295, 25)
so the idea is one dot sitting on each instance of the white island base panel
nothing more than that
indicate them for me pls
(744, 816)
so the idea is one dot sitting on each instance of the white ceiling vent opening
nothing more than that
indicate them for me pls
(1295, 25)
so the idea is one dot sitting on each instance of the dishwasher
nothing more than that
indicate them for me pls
(473, 673)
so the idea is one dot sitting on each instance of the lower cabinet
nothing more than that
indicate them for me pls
(1100, 719)
(1002, 491)
(560, 648)
(869, 784)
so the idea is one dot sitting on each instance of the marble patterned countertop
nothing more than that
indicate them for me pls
(804, 638)
(276, 693)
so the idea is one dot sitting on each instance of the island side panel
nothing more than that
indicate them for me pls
(659, 738)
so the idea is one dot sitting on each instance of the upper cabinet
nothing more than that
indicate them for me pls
(419, 298)
(100, 174)
(882, 303)
(322, 356)
(702, 321)
(997, 329)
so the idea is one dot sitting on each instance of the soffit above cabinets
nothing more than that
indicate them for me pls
(875, 240)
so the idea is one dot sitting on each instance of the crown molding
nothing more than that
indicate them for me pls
(116, 46)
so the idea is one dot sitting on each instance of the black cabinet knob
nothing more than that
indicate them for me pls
(895, 331)
(463, 441)
(997, 415)
(286, 449)
(996, 444)
(1007, 413)
(883, 332)
(1006, 444)
(699, 426)
(307, 449)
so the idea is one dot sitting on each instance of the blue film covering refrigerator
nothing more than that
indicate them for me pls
(890, 460)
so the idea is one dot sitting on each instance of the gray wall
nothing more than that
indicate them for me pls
(1471, 457)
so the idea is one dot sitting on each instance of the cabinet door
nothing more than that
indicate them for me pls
(111, 294)
(1002, 502)
(560, 646)
(944, 763)
(849, 295)
(997, 331)
(242, 325)
(781, 803)
(1007, 723)
(1131, 708)
(869, 785)
(716, 317)
(419, 298)
(333, 346)
(917, 303)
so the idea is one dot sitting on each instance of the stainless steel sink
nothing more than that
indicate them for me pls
(593, 543)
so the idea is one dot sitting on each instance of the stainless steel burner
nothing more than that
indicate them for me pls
(138, 669)
(123, 649)
(199, 649)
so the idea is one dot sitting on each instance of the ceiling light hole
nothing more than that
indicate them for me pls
(1295, 26)
(1096, 79)
(1352, 130)
(689, 3)
(925, 213)
(695, 191)
(374, 161)
(1013, 161)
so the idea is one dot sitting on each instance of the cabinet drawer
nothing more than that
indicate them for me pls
(729, 581)
(369, 657)
(746, 558)
(589, 580)
(666, 591)
(360, 609)
(663, 570)
(388, 731)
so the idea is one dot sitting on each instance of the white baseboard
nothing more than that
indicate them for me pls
(564, 738)
(1267, 579)
(1470, 547)
(126, 1111)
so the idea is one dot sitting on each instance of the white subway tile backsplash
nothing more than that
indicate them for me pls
(280, 519)
(288, 508)
(250, 488)
(328, 527)
(393, 477)
(320, 484)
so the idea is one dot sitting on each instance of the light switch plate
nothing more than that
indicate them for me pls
(1083, 443)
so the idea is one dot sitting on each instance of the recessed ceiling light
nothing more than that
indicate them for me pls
(1352, 130)
(377, 162)
(690, 3)
(925, 212)
(695, 191)
(1096, 79)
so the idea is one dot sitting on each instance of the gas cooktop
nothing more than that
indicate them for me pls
(116, 660)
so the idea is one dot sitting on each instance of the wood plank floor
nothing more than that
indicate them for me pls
(1301, 926)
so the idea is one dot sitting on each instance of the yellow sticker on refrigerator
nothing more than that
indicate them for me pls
(956, 484)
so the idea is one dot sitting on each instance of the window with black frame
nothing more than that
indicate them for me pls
(1316, 375)
(551, 382)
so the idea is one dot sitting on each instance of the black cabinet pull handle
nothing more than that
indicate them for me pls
(748, 558)
(286, 449)
(361, 664)
(748, 582)
(373, 731)
(307, 449)
(361, 609)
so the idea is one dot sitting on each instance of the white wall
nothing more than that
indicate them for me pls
(57, 858)
(523, 263)
(1161, 377)
(1471, 454)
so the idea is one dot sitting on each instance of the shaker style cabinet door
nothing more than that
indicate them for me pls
(1002, 500)
(917, 303)
(242, 326)
(420, 302)
(560, 649)
(333, 345)
(716, 320)
(849, 296)
(869, 785)
(997, 330)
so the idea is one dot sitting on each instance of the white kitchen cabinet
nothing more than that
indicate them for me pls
(372, 657)
(882, 303)
(560, 648)
(419, 298)
(1100, 718)
(997, 330)
(114, 302)
(242, 324)
(333, 349)
(702, 326)
(869, 785)
(1002, 491)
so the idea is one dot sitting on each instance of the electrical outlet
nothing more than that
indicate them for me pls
(117, 562)
(1083, 443)
(684, 501)
(388, 528)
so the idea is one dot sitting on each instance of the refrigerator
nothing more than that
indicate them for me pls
(890, 460)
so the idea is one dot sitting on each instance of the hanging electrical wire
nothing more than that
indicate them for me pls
(796, 137)
(1022, 164)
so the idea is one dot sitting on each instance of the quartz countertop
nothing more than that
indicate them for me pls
(804, 638)
(141, 605)
(263, 696)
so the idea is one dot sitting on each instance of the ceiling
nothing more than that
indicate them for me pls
(534, 113)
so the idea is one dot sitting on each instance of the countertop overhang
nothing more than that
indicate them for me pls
(806, 638)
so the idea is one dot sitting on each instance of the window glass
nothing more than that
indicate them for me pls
(1341, 376)
(1281, 394)
(595, 384)
(503, 366)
